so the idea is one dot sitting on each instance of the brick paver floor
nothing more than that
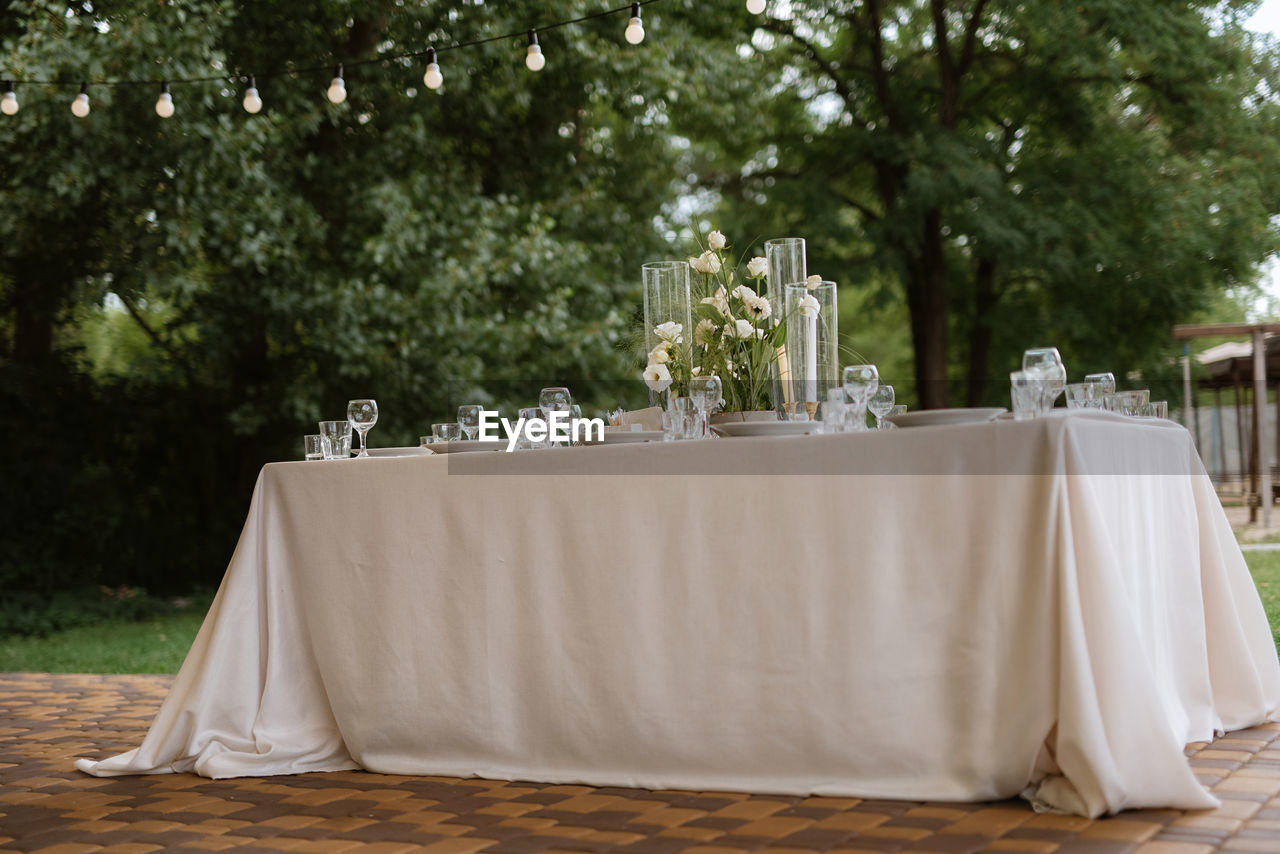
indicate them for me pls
(48, 720)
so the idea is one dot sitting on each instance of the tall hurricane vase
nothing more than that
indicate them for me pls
(787, 266)
(666, 299)
(811, 349)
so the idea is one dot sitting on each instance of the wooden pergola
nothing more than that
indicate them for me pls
(1258, 366)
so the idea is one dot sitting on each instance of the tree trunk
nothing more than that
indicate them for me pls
(927, 301)
(984, 301)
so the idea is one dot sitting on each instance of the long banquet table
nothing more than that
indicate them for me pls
(1050, 608)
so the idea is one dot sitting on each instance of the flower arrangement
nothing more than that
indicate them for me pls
(737, 331)
(668, 367)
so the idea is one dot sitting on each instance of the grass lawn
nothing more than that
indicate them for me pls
(159, 645)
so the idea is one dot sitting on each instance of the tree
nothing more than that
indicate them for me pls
(1021, 171)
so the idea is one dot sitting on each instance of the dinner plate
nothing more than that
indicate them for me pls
(618, 437)
(930, 417)
(468, 446)
(399, 452)
(767, 428)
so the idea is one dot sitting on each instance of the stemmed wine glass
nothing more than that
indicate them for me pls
(362, 414)
(554, 399)
(469, 419)
(1044, 366)
(705, 394)
(860, 383)
(880, 404)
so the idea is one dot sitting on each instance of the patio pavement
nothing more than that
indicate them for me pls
(49, 720)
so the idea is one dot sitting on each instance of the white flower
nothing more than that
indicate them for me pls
(719, 299)
(743, 293)
(758, 266)
(669, 331)
(813, 281)
(715, 240)
(693, 372)
(758, 307)
(707, 262)
(744, 329)
(661, 354)
(703, 333)
(809, 306)
(657, 377)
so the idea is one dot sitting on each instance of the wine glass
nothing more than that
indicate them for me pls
(705, 393)
(554, 399)
(860, 383)
(1044, 366)
(469, 419)
(880, 404)
(362, 414)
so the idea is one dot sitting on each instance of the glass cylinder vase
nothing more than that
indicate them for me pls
(667, 300)
(812, 349)
(787, 265)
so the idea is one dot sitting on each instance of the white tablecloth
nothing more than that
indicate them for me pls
(970, 612)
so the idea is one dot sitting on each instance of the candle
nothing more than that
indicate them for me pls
(811, 359)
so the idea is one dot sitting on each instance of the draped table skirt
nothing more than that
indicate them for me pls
(1051, 608)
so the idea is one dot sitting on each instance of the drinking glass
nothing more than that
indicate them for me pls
(705, 393)
(1132, 402)
(312, 448)
(1081, 396)
(1044, 365)
(575, 413)
(362, 414)
(1023, 395)
(523, 441)
(678, 419)
(860, 383)
(335, 439)
(896, 409)
(449, 432)
(1106, 383)
(880, 404)
(1160, 409)
(835, 411)
(469, 419)
(554, 399)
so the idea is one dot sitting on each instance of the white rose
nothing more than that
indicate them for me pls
(657, 377)
(743, 293)
(715, 240)
(758, 307)
(669, 331)
(661, 354)
(758, 266)
(813, 281)
(744, 329)
(719, 299)
(703, 333)
(708, 262)
(809, 306)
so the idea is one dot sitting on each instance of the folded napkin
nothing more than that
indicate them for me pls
(641, 419)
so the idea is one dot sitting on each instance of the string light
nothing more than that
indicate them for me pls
(635, 27)
(252, 103)
(337, 89)
(755, 7)
(80, 106)
(433, 78)
(164, 104)
(534, 58)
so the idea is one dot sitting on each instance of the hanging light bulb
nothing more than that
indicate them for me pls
(9, 103)
(337, 89)
(80, 106)
(755, 7)
(534, 59)
(164, 104)
(252, 103)
(635, 28)
(433, 78)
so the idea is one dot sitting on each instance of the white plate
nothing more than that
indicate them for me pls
(767, 428)
(399, 452)
(618, 437)
(467, 446)
(930, 417)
